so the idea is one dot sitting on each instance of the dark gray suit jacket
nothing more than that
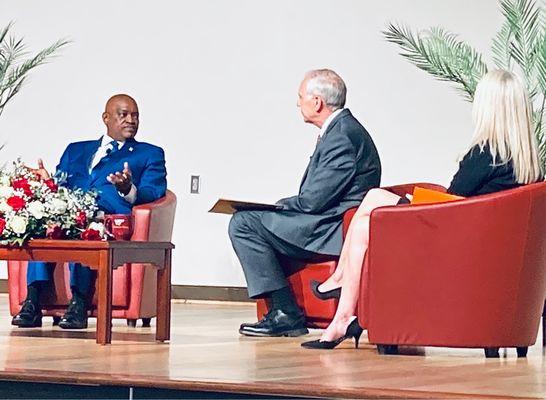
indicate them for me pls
(344, 166)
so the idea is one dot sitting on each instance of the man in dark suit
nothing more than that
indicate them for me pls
(124, 172)
(344, 166)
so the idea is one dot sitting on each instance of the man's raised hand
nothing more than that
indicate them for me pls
(40, 171)
(122, 180)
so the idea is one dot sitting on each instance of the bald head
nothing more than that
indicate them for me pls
(121, 117)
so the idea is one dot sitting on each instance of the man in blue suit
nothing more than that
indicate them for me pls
(124, 172)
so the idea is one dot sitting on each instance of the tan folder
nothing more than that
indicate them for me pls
(225, 206)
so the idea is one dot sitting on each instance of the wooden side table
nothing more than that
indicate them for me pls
(104, 257)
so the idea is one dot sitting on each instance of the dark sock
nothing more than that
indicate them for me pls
(283, 299)
(79, 297)
(33, 292)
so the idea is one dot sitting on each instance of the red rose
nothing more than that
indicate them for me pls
(91, 234)
(2, 225)
(50, 183)
(16, 202)
(54, 232)
(81, 219)
(22, 184)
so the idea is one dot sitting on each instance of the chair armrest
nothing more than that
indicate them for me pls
(154, 221)
(347, 218)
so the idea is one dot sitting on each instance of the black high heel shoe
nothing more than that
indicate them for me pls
(330, 294)
(353, 330)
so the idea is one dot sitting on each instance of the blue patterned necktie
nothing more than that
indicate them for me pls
(114, 146)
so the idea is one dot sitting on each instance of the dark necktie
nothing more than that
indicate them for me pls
(114, 146)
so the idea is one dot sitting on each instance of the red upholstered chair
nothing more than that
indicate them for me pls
(318, 312)
(134, 294)
(544, 325)
(469, 273)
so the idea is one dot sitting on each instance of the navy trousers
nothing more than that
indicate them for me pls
(81, 277)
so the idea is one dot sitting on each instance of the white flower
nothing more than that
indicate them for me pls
(4, 180)
(6, 191)
(58, 206)
(97, 226)
(4, 206)
(36, 209)
(18, 224)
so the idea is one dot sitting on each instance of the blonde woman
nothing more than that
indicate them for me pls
(503, 155)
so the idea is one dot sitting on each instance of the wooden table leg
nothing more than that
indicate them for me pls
(104, 306)
(163, 329)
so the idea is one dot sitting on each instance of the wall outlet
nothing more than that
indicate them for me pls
(194, 184)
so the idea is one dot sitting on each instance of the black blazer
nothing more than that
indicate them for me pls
(344, 166)
(478, 174)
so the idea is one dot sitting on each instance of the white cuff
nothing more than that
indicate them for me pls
(131, 196)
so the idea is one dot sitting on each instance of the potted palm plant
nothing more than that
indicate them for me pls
(520, 46)
(13, 68)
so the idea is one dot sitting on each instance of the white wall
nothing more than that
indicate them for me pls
(216, 82)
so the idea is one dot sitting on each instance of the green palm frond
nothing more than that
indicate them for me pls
(541, 65)
(520, 44)
(502, 56)
(441, 54)
(538, 115)
(524, 21)
(13, 70)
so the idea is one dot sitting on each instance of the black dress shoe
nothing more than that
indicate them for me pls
(30, 316)
(330, 294)
(276, 323)
(353, 330)
(75, 316)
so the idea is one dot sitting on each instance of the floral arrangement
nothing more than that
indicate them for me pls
(32, 207)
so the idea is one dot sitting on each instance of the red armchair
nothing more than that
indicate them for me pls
(318, 312)
(470, 273)
(134, 291)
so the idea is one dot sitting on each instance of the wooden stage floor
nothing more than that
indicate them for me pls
(206, 353)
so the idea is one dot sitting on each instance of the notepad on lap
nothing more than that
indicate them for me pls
(224, 206)
(429, 196)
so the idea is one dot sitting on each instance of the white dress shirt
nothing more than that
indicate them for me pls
(104, 149)
(328, 121)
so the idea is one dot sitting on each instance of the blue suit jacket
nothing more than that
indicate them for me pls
(146, 161)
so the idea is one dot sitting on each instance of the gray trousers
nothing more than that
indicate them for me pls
(259, 251)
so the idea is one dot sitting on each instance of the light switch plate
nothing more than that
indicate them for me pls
(194, 184)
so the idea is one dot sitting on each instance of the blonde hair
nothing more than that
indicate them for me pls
(502, 118)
